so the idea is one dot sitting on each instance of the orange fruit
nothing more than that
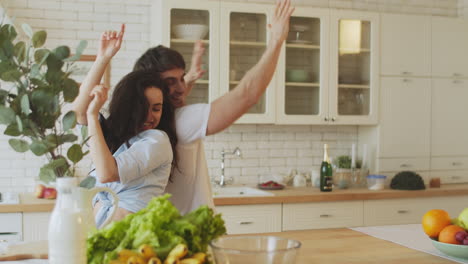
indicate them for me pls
(434, 221)
(447, 235)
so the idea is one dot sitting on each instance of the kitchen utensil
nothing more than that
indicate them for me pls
(376, 182)
(459, 251)
(255, 249)
(190, 31)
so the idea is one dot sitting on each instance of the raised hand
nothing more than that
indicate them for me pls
(196, 71)
(279, 25)
(99, 97)
(110, 43)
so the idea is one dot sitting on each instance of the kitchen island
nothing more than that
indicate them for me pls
(335, 246)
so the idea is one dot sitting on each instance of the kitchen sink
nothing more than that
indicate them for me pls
(234, 191)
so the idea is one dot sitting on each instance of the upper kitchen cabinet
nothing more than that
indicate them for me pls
(302, 92)
(449, 44)
(178, 24)
(406, 45)
(354, 68)
(243, 40)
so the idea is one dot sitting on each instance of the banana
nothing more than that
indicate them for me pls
(171, 260)
(190, 261)
(154, 260)
(125, 254)
(135, 260)
(178, 251)
(200, 256)
(146, 251)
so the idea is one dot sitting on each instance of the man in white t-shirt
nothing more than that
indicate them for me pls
(190, 186)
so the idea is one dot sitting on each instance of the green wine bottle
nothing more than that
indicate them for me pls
(326, 171)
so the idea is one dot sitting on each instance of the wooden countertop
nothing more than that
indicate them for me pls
(329, 246)
(349, 246)
(312, 194)
(29, 203)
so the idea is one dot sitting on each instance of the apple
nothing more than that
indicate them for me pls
(39, 191)
(50, 193)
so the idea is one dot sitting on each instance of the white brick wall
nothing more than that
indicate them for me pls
(267, 149)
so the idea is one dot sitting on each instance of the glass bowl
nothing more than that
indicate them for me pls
(254, 249)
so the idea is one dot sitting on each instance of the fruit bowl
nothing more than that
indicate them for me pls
(459, 251)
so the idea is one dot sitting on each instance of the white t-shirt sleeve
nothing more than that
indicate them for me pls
(192, 122)
(143, 156)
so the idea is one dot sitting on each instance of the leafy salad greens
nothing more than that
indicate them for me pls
(159, 225)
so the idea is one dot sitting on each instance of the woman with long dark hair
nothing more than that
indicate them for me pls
(133, 149)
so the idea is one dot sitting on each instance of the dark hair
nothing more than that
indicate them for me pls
(160, 59)
(128, 110)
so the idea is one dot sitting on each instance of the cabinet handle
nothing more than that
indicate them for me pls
(404, 165)
(406, 80)
(325, 215)
(403, 211)
(406, 73)
(456, 177)
(245, 223)
(326, 119)
(457, 75)
(457, 81)
(333, 119)
(457, 163)
(3, 241)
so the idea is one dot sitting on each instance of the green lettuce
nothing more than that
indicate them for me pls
(159, 225)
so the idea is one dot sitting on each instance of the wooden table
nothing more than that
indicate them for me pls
(348, 246)
(335, 246)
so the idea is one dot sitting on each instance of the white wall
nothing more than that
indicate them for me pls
(266, 148)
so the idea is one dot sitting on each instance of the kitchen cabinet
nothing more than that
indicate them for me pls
(35, 226)
(320, 77)
(322, 215)
(408, 211)
(10, 227)
(406, 45)
(449, 42)
(338, 59)
(243, 219)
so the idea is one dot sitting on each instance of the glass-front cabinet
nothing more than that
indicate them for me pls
(354, 67)
(303, 80)
(178, 24)
(244, 37)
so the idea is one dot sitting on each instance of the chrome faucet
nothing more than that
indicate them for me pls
(222, 180)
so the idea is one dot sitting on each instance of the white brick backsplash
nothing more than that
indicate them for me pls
(84, 7)
(282, 153)
(255, 153)
(27, 13)
(44, 3)
(281, 136)
(61, 14)
(308, 136)
(244, 162)
(255, 137)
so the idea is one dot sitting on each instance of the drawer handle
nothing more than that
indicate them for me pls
(406, 73)
(406, 80)
(245, 223)
(456, 177)
(457, 163)
(404, 165)
(3, 241)
(403, 211)
(457, 81)
(457, 74)
(325, 215)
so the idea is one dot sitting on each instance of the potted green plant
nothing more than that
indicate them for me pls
(342, 175)
(35, 87)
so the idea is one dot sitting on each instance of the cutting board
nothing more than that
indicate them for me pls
(27, 250)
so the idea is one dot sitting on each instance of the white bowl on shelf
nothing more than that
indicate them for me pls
(190, 31)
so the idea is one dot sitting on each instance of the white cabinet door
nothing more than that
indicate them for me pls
(354, 67)
(35, 226)
(406, 45)
(11, 227)
(449, 120)
(302, 92)
(243, 40)
(167, 17)
(449, 47)
(322, 215)
(244, 219)
(405, 119)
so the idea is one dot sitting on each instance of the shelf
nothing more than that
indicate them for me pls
(302, 84)
(354, 86)
(303, 46)
(188, 41)
(353, 51)
(248, 43)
